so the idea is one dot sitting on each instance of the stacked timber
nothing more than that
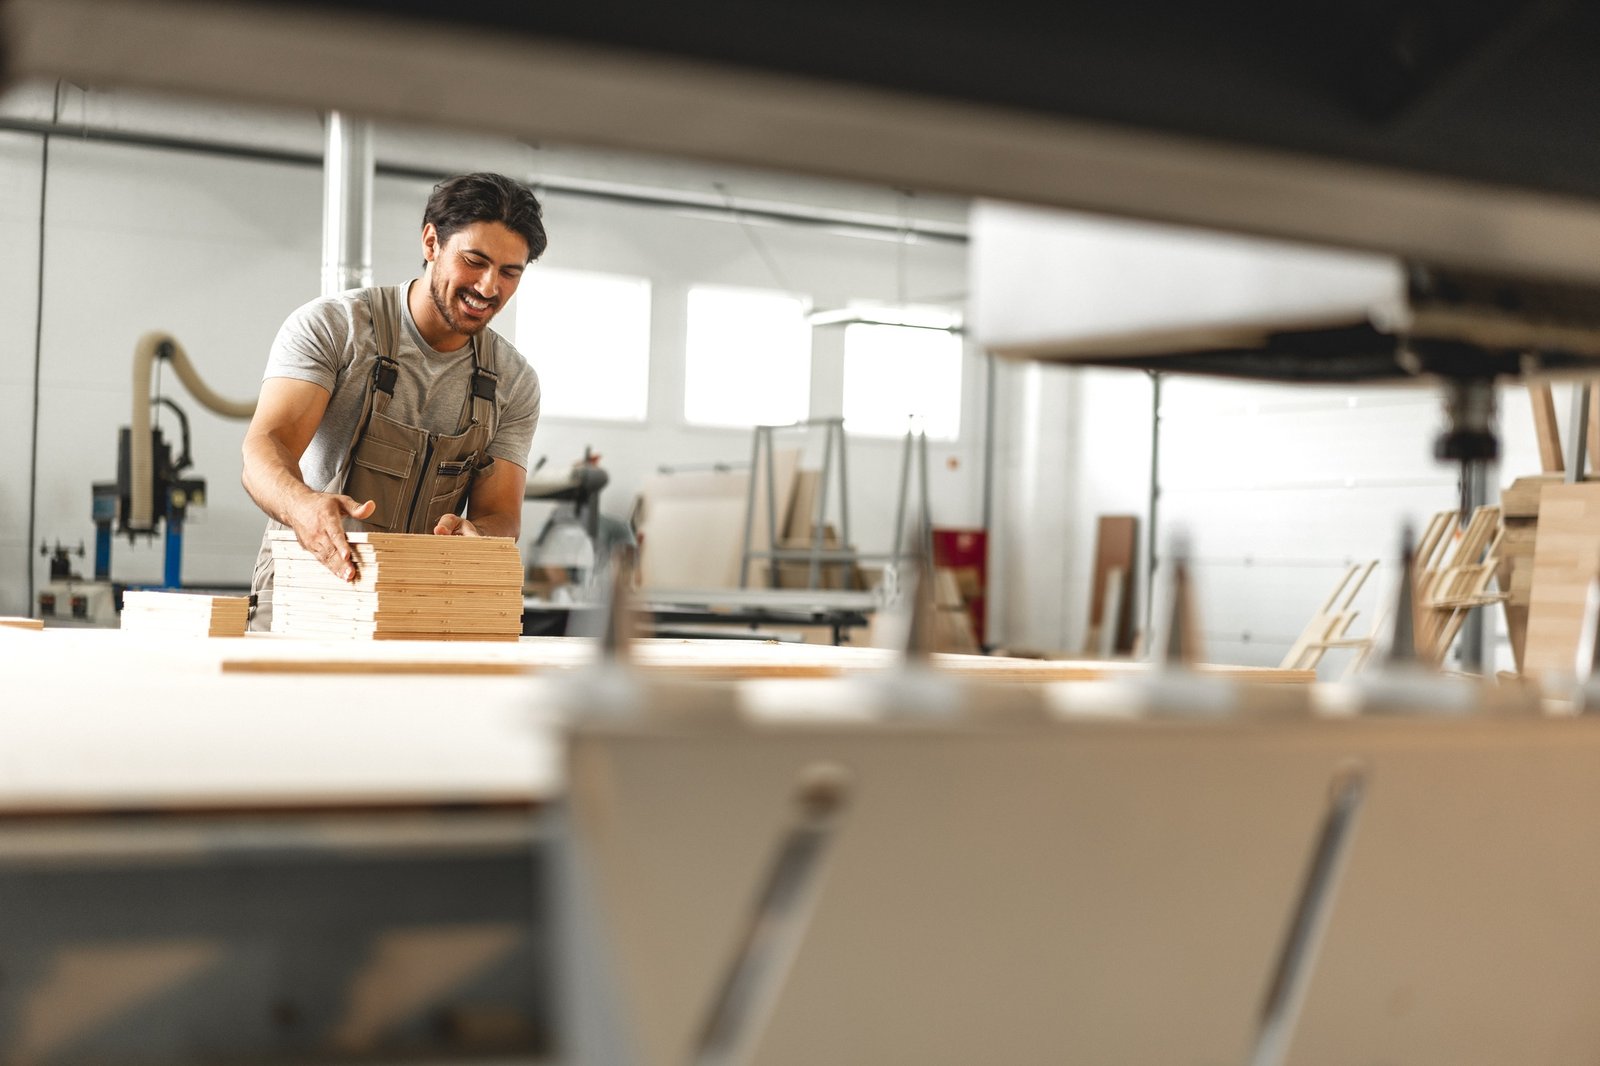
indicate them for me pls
(408, 586)
(184, 614)
(1519, 505)
(1566, 558)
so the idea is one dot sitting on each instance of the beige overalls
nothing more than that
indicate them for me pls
(413, 476)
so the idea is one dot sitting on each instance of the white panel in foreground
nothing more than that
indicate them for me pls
(1059, 283)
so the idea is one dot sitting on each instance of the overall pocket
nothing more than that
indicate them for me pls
(381, 472)
(451, 482)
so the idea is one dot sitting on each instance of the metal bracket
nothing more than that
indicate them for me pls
(776, 925)
(1286, 993)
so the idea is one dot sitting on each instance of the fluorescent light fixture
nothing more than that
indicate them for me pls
(944, 321)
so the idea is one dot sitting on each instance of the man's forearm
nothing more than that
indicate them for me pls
(498, 525)
(272, 477)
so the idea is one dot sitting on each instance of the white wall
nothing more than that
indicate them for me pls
(19, 281)
(676, 252)
(1276, 488)
(1071, 444)
(213, 250)
(1280, 488)
(219, 249)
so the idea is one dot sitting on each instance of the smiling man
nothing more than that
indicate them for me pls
(396, 409)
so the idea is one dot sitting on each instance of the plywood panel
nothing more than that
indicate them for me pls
(693, 525)
(1116, 551)
(1566, 558)
(1546, 429)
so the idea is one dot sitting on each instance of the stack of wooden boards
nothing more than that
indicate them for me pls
(1566, 559)
(1519, 506)
(1551, 547)
(184, 614)
(409, 586)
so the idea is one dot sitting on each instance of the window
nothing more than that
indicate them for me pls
(894, 374)
(588, 336)
(748, 359)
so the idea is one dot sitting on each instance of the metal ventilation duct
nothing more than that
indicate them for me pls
(347, 205)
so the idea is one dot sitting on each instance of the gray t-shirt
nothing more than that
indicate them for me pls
(330, 342)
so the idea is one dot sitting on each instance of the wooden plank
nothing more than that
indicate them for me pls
(705, 659)
(1566, 559)
(1103, 640)
(1547, 430)
(1592, 439)
(803, 506)
(17, 622)
(1116, 547)
(692, 525)
(1520, 499)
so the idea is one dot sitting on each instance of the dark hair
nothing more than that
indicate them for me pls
(458, 202)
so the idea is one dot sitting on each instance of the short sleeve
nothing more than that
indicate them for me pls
(519, 417)
(313, 343)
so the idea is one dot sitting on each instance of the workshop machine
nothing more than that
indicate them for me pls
(68, 594)
(152, 493)
(569, 551)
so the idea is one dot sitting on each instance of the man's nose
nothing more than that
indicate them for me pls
(488, 283)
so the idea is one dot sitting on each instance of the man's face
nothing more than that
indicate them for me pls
(474, 273)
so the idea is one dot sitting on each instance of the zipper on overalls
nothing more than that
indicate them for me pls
(422, 479)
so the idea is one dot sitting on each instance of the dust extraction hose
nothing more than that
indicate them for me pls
(152, 346)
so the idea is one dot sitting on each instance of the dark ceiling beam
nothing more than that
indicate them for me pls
(1257, 136)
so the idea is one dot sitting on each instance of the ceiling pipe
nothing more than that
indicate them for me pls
(347, 171)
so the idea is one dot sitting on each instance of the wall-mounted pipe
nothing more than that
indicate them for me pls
(152, 346)
(347, 171)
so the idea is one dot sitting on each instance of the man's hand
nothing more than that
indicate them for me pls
(318, 525)
(287, 415)
(453, 525)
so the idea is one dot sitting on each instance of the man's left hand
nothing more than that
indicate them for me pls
(453, 525)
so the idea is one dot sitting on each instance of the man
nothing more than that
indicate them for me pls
(396, 409)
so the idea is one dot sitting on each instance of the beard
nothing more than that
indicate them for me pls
(444, 303)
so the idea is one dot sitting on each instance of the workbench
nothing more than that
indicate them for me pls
(104, 720)
(290, 850)
(674, 611)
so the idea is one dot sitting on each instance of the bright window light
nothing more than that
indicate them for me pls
(588, 336)
(748, 359)
(902, 377)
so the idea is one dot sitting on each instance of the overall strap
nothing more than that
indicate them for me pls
(384, 307)
(479, 406)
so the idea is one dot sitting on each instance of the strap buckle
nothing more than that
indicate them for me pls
(385, 373)
(483, 383)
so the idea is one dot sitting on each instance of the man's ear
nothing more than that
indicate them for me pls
(430, 242)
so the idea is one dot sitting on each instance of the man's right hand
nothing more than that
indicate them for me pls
(318, 525)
